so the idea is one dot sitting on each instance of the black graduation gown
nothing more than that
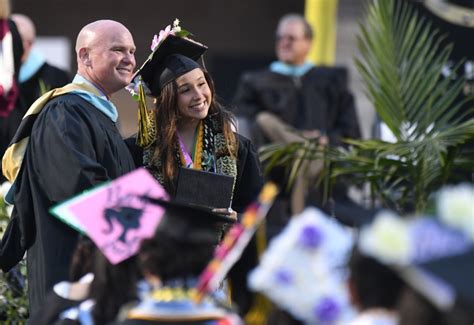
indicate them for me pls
(73, 146)
(248, 184)
(48, 75)
(319, 100)
(249, 180)
(53, 306)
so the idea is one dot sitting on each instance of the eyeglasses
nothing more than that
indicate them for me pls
(290, 38)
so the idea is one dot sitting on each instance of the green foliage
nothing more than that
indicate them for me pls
(13, 294)
(13, 297)
(183, 33)
(401, 62)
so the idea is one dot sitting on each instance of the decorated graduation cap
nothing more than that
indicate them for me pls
(114, 215)
(434, 255)
(171, 59)
(303, 272)
(173, 54)
(188, 224)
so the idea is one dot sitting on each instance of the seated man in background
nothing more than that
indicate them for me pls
(36, 75)
(292, 100)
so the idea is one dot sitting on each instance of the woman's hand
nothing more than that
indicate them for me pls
(226, 212)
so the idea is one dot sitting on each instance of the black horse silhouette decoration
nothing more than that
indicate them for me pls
(128, 217)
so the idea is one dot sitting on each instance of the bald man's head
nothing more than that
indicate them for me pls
(4, 9)
(27, 31)
(25, 25)
(97, 30)
(105, 55)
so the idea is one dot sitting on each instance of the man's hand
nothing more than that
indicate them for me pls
(228, 212)
(323, 140)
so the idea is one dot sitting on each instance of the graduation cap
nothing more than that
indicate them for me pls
(114, 215)
(189, 224)
(173, 55)
(172, 58)
(456, 271)
(433, 258)
(302, 271)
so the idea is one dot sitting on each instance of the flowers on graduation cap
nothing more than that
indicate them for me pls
(132, 87)
(387, 237)
(455, 206)
(303, 271)
(176, 30)
(176, 27)
(404, 241)
(162, 35)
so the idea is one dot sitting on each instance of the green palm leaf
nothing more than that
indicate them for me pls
(401, 59)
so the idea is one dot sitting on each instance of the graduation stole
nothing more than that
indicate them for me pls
(13, 157)
(194, 161)
(211, 153)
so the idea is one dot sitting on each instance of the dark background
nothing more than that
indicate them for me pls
(239, 33)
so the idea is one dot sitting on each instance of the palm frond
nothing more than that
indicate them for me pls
(401, 60)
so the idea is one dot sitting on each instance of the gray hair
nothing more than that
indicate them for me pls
(308, 30)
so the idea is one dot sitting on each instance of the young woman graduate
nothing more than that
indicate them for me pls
(189, 128)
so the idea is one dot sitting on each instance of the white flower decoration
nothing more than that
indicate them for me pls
(307, 256)
(176, 27)
(4, 189)
(455, 207)
(387, 239)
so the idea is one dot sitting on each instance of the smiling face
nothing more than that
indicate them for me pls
(108, 59)
(194, 95)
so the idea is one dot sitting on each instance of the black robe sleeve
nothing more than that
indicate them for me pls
(135, 150)
(344, 121)
(66, 152)
(73, 147)
(249, 175)
(246, 100)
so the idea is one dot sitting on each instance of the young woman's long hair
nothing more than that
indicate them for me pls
(167, 116)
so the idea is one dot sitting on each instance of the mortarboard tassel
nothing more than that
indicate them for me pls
(146, 120)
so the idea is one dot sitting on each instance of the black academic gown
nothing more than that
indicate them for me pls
(318, 100)
(48, 77)
(73, 146)
(53, 306)
(248, 184)
(249, 180)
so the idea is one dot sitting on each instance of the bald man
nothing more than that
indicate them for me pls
(72, 145)
(36, 75)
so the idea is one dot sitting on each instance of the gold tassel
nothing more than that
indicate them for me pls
(146, 120)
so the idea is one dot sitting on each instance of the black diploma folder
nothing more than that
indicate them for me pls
(202, 189)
